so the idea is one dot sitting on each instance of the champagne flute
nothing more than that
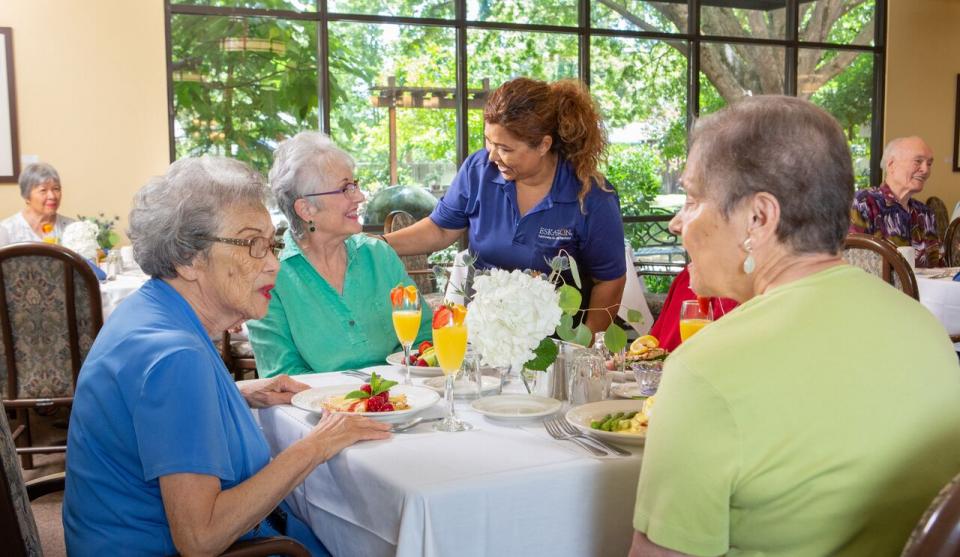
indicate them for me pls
(450, 344)
(406, 322)
(694, 315)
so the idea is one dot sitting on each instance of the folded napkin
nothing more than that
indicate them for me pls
(457, 283)
(633, 297)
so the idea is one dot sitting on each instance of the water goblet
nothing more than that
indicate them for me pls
(406, 322)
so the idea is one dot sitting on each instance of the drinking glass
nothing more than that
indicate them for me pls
(450, 344)
(693, 318)
(406, 323)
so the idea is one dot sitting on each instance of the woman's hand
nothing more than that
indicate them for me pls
(269, 392)
(336, 432)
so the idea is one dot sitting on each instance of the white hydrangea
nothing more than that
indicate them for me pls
(510, 314)
(81, 237)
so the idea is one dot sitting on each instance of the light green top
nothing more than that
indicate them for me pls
(311, 328)
(818, 419)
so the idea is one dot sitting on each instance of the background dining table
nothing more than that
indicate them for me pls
(940, 294)
(504, 488)
(113, 291)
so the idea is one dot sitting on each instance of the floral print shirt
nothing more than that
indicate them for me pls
(876, 211)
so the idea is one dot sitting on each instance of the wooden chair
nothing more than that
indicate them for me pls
(941, 215)
(938, 532)
(18, 528)
(951, 244)
(238, 356)
(50, 313)
(879, 257)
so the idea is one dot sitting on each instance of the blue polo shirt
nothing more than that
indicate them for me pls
(481, 199)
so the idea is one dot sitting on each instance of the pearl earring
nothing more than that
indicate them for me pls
(749, 264)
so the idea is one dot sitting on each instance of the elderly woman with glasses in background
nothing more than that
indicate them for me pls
(39, 220)
(331, 306)
(164, 454)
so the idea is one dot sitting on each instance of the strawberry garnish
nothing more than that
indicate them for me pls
(442, 317)
(704, 304)
(374, 394)
(424, 345)
(396, 295)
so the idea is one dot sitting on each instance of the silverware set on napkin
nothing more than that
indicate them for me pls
(560, 429)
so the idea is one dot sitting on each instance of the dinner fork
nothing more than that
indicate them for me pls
(554, 430)
(357, 373)
(568, 427)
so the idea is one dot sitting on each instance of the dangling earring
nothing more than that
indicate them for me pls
(749, 264)
(311, 227)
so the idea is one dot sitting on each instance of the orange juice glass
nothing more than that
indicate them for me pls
(406, 322)
(693, 318)
(450, 344)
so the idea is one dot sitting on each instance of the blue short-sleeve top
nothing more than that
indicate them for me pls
(483, 200)
(153, 398)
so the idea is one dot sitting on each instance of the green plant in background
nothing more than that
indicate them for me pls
(107, 237)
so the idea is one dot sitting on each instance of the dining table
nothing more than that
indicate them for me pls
(117, 288)
(504, 488)
(940, 294)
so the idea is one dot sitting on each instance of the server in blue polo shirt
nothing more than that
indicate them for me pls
(534, 190)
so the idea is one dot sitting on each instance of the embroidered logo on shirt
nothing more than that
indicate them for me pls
(555, 234)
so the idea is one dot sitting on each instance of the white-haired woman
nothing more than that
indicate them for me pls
(38, 220)
(331, 308)
(164, 455)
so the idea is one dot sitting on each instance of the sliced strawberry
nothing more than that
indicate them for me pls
(422, 363)
(704, 304)
(388, 407)
(366, 388)
(442, 317)
(424, 345)
(396, 296)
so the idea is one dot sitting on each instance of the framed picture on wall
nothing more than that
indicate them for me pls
(956, 130)
(9, 144)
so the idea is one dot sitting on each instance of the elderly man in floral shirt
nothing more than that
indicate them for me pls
(889, 210)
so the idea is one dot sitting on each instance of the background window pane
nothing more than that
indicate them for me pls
(730, 71)
(842, 83)
(293, 5)
(542, 12)
(241, 84)
(640, 86)
(838, 21)
(494, 57)
(637, 15)
(766, 21)
(404, 73)
(400, 8)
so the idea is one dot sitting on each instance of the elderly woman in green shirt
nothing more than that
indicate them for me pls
(330, 309)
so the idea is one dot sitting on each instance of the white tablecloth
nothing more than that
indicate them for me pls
(941, 296)
(112, 292)
(502, 489)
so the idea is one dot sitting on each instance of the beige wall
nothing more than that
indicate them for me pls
(91, 97)
(923, 60)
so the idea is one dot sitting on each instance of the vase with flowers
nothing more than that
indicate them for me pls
(107, 237)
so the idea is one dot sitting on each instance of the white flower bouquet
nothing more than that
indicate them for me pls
(81, 237)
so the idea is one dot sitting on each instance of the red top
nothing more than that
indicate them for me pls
(667, 326)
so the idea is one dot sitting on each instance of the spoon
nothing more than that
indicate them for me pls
(412, 423)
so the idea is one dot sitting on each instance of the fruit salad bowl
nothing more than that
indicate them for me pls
(396, 359)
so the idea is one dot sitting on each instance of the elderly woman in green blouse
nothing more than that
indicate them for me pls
(330, 309)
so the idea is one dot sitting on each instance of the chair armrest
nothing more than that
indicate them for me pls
(45, 485)
(262, 547)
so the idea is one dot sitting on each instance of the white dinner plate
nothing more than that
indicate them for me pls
(419, 399)
(627, 390)
(396, 359)
(516, 407)
(462, 387)
(581, 416)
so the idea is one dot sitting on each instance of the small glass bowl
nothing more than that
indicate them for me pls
(648, 375)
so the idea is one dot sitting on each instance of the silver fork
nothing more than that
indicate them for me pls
(568, 427)
(554, 430)
(357, 373)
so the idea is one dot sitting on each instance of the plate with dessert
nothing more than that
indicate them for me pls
(618, 421)
(423, 360)
(380, 399)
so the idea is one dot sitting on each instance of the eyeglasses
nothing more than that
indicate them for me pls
(349, 190)
(259, 246)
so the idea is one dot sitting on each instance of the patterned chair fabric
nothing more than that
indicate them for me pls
(19, 527)
(941, 215)
(951, 244)
(416, 265)
(881, 259)
(36, 307)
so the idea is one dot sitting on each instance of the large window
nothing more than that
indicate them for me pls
(400, 84)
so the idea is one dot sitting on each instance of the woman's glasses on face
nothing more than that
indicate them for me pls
(350, 190)
(259, 246)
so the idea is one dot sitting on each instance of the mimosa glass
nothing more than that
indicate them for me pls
(693, 318)
(450, 344)
(406, 323)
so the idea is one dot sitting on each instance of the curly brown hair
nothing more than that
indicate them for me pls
(564, 110)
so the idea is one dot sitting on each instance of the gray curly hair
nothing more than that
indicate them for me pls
(299, 165)
(171, 213)
(34, 175)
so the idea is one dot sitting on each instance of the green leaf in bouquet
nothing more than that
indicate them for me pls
(582, 335)
(545, 354)
(112, 239)
(634, 316)
(575, 272)
(615, 338)
(565, 328)
(570, 299)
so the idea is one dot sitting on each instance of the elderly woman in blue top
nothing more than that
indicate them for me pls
(164, 455)
(331, 307)
(533, 191)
